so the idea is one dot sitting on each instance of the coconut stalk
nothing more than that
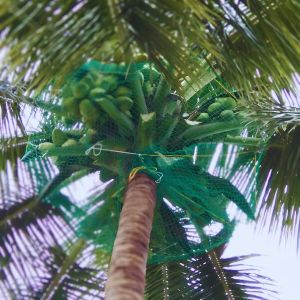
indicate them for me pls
(126, 278)
(145, 131)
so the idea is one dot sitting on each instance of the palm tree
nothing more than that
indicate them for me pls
(204, 40)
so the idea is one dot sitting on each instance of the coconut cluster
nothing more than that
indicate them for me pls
(105, 105)
(221, 109)
(97, 99)
(124, 113)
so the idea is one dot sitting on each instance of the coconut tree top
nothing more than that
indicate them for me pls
(257, 41)
(122, 120)
(254, 46)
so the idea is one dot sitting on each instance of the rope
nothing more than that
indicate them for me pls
(97, 149)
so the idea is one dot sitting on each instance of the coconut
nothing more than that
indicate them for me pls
(124, 103)
(214, 109)
(45, 147)
(122, 91)
(58, 137)
(227, 115)
(80, 90)
(97, 92)
(69, 143)
(203, 117)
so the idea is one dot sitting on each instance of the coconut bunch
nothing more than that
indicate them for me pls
(126, 112)
(105, 104)
(218, 109)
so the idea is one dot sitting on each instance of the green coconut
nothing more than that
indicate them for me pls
(89, 80)
(97, 92)
(203, 117)
(89, 110)
(84, 140)
(71, 107)
(109, 83)
(122, 91)
(98, 77)
(227, 115)
(69, 143)
(45, 147)
(227, 103)
(80, 90)
(111, 98)
(89, 137)
(58, 137)
(128, 113)
(124, 103)
(214, 109)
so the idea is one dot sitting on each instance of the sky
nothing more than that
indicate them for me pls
(278, 260)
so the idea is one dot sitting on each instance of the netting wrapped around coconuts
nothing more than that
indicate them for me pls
(118, 120)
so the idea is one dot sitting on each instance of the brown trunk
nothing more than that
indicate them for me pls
(126, 279)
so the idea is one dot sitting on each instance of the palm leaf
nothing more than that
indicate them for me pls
(14, 135)
(261, 37)
(279, 175)
(35, 240)
(272, 116)
(208, 276)
(25, 238)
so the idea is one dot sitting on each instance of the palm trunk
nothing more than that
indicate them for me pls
(126, 279)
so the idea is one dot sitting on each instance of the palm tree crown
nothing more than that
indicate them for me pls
(196, 118)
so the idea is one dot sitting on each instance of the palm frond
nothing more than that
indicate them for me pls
(24, 243)
(208, 276)
(13, 137)
(11, 121)
(34, 241)
(272, 116)
(70, 279)
(252, 44)
(279, 179)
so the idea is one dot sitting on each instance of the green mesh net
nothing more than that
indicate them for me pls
(118, 120)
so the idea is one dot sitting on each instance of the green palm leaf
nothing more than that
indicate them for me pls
(279, 181)
(38, 259)
(261, 37)
(204, 37)
(208, 276)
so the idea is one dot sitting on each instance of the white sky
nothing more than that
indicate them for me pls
(279, 261)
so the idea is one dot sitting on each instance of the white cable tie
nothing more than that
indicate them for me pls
(160, 174)
(96, 149)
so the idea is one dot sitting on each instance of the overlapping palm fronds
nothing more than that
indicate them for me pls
(279, 179)
(41, 259)
(40, 256)
(69, 267)
(279, 173)
(254, 45)
(209, 276)
(13, 137)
